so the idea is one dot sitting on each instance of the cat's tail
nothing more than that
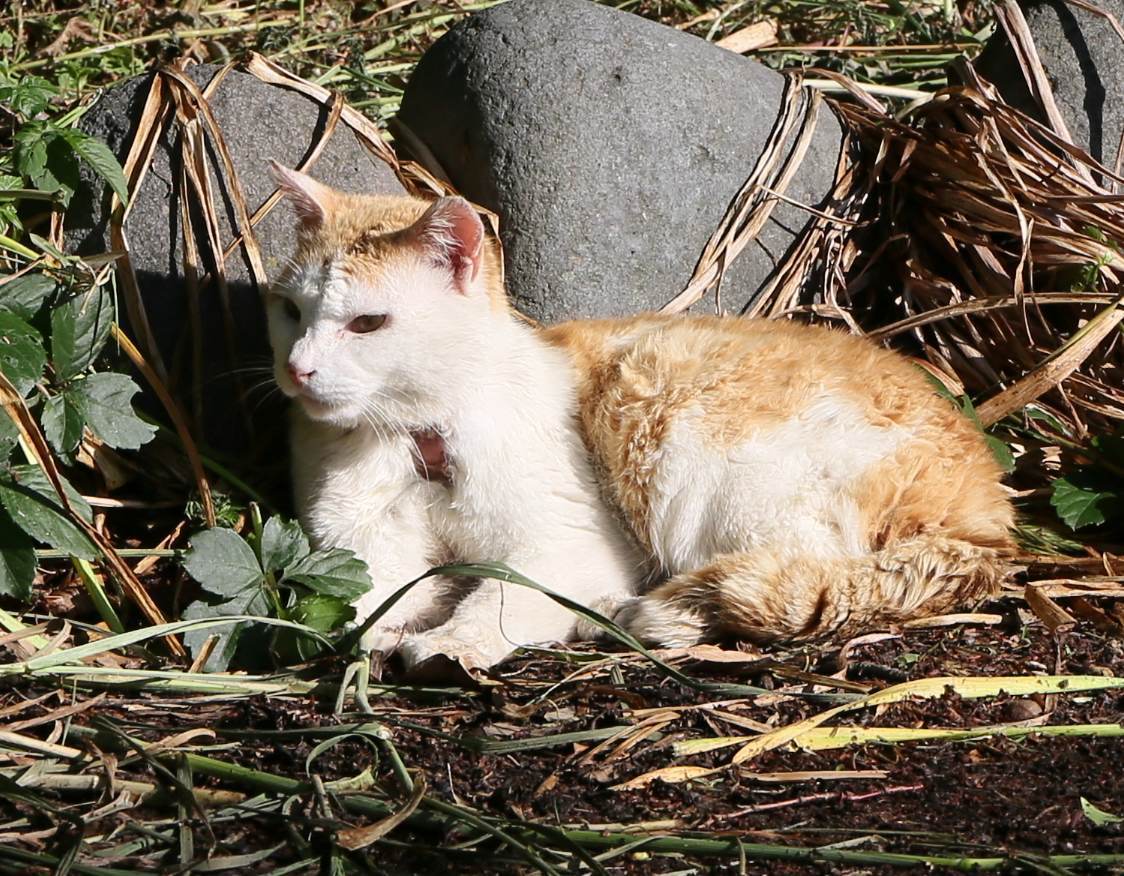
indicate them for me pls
(766, 596)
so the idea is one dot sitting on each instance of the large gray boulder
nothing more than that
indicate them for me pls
(1084, 60)
(610, 146)
(259, 122)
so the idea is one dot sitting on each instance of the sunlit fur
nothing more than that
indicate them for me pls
(452, 359)
(782, 481)
(791, 480)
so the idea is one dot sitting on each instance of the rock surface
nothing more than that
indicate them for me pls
(259, 122)
(610, 146)
(1084, 59)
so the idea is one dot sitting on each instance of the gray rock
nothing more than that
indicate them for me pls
(610, 146)
(259, 122)
(1084, 60)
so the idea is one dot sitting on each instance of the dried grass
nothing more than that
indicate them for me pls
(967, 231)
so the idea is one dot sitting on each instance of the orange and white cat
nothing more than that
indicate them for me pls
(779, 481)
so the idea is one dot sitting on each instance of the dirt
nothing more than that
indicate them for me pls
(988, 797)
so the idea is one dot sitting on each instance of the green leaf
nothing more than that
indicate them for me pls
(32, 477)
(323, 613)
(1044, 540)
(28, 96)
(96, 154)
(79, 329)
(283, 542)
(63, 417)
(24, 295)
(17, 560)
(9, 437)
(22, 356)
(334, 572)
(107, 399)
(1081, 501)
(30, 145)
(251, 601)
(44, 156)
(1001, 452)
(1033, 412)
(223, 563)
(1098, 816)
(228, 637)
(40, 515)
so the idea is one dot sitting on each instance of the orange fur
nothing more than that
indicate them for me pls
(369, 230)
(935, 521)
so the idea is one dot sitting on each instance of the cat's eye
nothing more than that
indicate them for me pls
(366, 324)
(291, 309)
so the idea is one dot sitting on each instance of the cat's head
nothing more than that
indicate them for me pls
(381, 309)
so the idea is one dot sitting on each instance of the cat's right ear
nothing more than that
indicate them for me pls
(308, 197)
(452, 235)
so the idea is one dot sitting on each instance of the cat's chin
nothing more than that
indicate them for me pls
(340, 416)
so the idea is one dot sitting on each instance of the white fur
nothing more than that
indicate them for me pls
(785, 485)
(522, 489)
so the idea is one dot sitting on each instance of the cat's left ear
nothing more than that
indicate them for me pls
(452, 235)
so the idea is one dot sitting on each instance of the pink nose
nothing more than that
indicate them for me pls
(300, 378)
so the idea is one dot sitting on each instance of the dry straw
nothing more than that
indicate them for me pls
(979, 237)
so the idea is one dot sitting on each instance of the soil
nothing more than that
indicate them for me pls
(987, 797)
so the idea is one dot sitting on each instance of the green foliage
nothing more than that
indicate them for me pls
(17, 560)
(1085, 499)
(273, 573)
(22, 356)
(107, 399)
(228, 512)
(38, 513)
(1093, 494)
(47, 151)
(24, 295)
(55, 319)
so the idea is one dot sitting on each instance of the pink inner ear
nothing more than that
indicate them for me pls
(307, 196)
(452, 233)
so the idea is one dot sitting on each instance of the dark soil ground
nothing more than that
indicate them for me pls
(987, 797)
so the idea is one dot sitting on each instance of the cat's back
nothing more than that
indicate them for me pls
(719, 432)
(745, 375)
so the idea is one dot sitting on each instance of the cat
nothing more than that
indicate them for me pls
(776, 481)
(432, 424)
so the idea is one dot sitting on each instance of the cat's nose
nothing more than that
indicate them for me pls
(299, 377)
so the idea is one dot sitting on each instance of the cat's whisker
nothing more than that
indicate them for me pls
(274, 391)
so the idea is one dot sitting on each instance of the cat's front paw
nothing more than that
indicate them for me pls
(381, 640)
(440, 653)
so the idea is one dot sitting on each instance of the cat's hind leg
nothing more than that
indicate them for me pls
(767, 595)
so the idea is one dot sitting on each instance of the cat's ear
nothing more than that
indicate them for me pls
(310, 199)
(451, 234)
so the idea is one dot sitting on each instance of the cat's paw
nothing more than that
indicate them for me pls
(380, 640)
(439, 654)
(661, 623)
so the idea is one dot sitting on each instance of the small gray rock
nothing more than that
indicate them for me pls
(259, 122)
(1084, 60)
(610, 146)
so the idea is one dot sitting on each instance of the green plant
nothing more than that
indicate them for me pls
(43, 164)
(54, 325)
(271, 573)
(1093, 494)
